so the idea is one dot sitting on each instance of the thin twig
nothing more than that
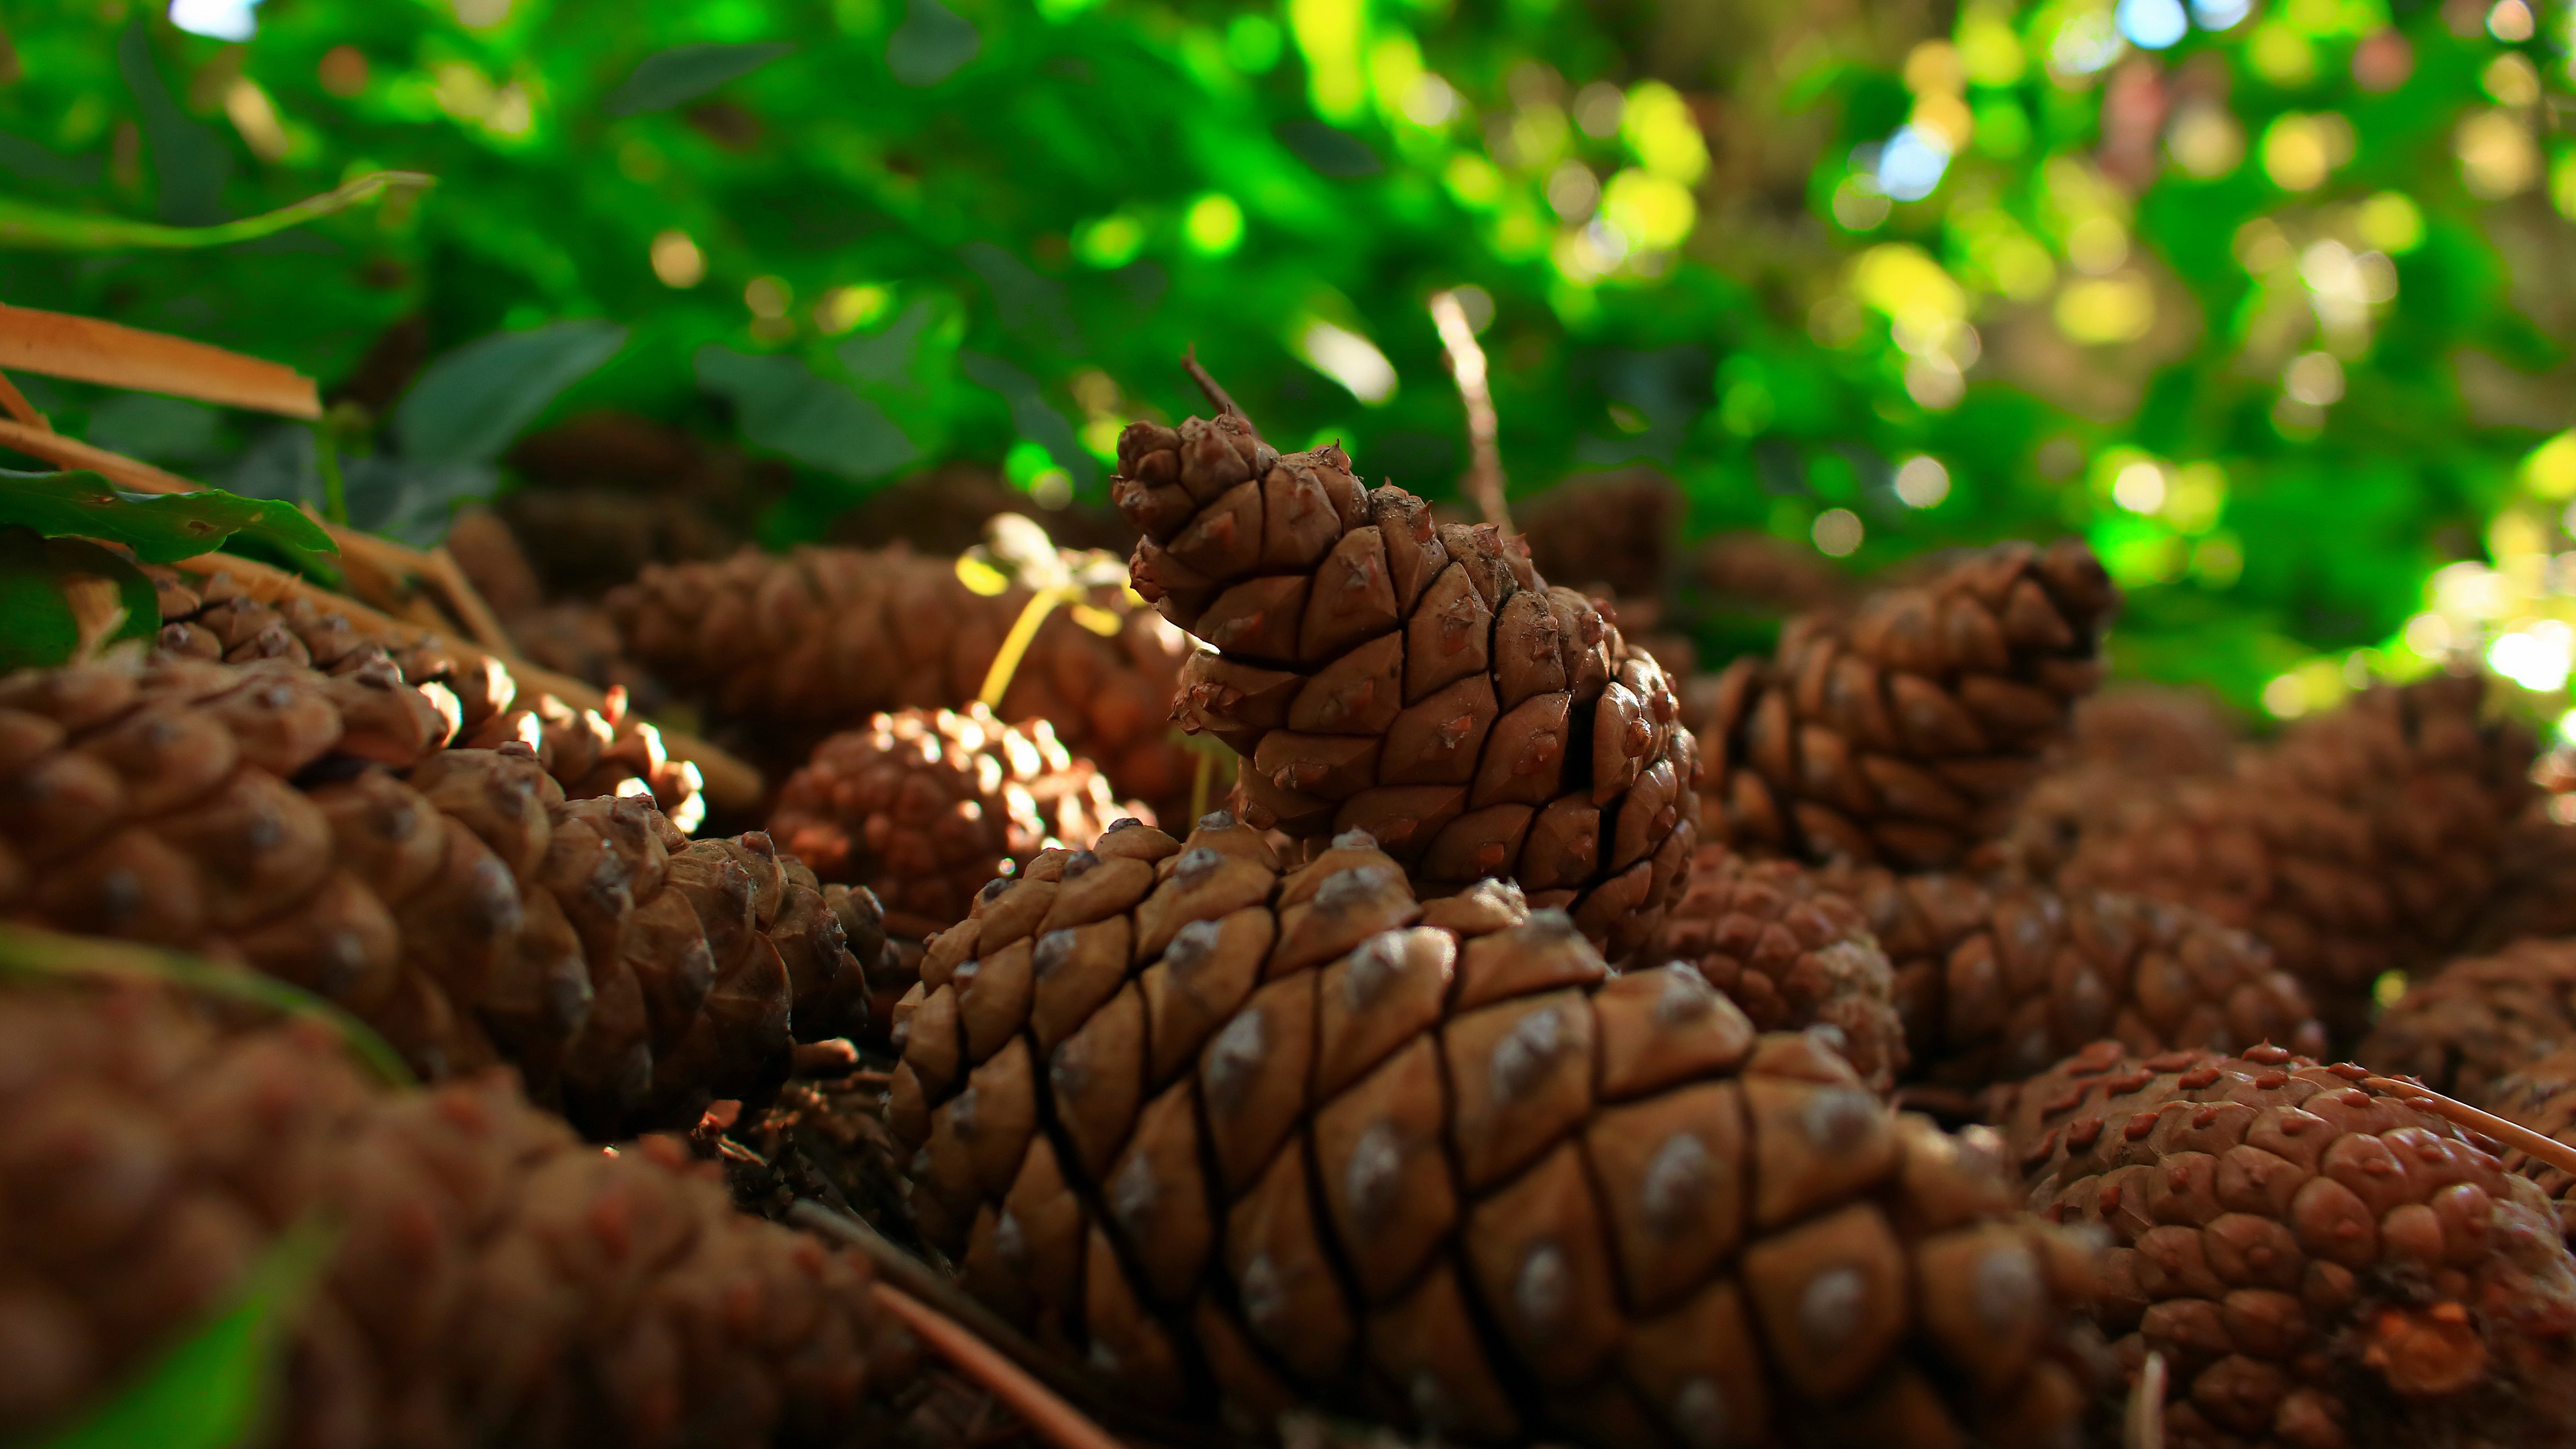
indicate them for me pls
(1054, 1420)
(53, 447)
(1467, 365)
(2548, 1149)
(18, 407)
(1217, 396)
(2143, 1426)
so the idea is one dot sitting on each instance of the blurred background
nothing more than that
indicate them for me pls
(2270, 299)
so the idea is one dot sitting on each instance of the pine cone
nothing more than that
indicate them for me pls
(2535, 888)
(1903, 729)
(1996, 981)
(1756, 573)
(823, 638)
(2363, 842)
(2465, 1028)
(306, 824)
(1419, 683)
(2321, 1265)
(587, 752)
(1303, 1137)
(493, 1281)
(1610, 532)
(2542, 1096)
(1791, 954)
(925, 806)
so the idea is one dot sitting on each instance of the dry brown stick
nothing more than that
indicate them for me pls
(90, 349)
(53, 447)
(1050, 1417)
(1217, 396)
(2548, 1149)
(727, 781)
(1484, 450)
(15, 402)
(2143, 1426)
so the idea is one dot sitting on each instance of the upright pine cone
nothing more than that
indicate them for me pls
(1902, 729)
(2465, 1028)
(925, 806)
(1302, 1137)
(306, 824)
(2363, 841)
(825, 637)
(491, 1280)
(1996, 982)
(587, 752)
(1420, 683)
(1609, 531)
(2320, 1264)
(1791, 954)
(2542, 1097)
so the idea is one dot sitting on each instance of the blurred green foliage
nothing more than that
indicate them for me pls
(2270, 305)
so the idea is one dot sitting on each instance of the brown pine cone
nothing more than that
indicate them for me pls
(2150, 729)
(1420, 683)
(1791, 953)
(2364, 841)
(1997, 982)
(1612, 533)
(825, 637)
(2542, 1096)
(2466, 1027)
(2320, 1264)
(1903, 728)
(1303, 1137)
(1755, 573)
(308, 825)
(587, 752)
(492, 1280)
(925, 806)
(2535, 888)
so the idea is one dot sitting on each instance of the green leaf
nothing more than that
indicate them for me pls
(931, 44)
(26, 226)
(50, 599)
(469, 404)
(781, 404)
(1036, 421)
(216, 1388)
(685, 72)
(190, 162)
(158, 527)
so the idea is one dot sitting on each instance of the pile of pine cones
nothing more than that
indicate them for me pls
(1320, 966)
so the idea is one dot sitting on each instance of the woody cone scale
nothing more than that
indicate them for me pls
(1419, 682)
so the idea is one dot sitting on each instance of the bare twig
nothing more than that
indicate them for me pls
(2143, 1426)
(1054, 1420)
(1467, 365)
(17, 406)
(54, 448)
(2548, 1149)
(1217, 396)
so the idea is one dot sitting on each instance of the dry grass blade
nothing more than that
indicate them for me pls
(1484, 451)
(85, 349)
(2143, 1426)
(1051, 1418)
(16, 405)
(727, 781)
(2513, 1134)
(116, 468)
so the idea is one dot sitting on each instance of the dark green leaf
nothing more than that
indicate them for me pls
(470, 403)
(42, 619)
(782, 405)
(190, 162)
(158, 527)
(1330, 150)
(154, 428)
(686, 72)
(411, 501)
(1030, 414)
(931, 44)
(215, 1389)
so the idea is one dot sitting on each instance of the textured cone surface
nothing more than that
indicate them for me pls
(606, 494)
(308, 825)
(1237, 1139)
(2542, 1097)
(1791, 953)
(1612, 532)
(2465, 1028)
(1904, 728)
(2321, 1265)
(2363, 842)
(1756, 573)
(492, 1281)
(2535, 889)
(925, 806)
(823, 638)
(1998, 981)
(587, 753)
(1418, 682)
